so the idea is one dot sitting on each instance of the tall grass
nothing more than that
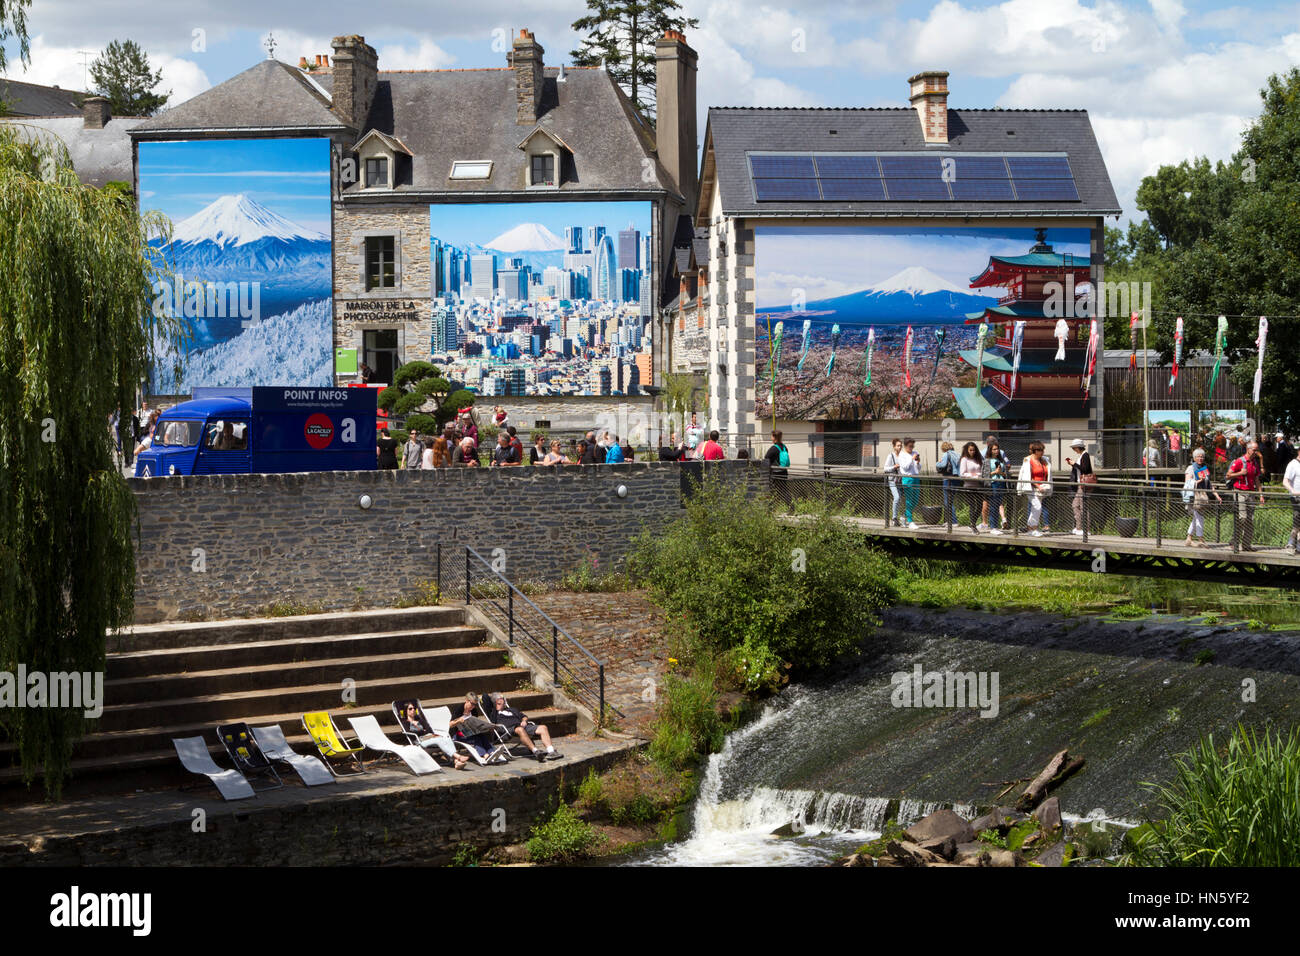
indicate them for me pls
(1238, 807)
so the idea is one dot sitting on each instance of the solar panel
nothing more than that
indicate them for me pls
(853, 190)
(847, 167)
(977, 167)
(1039, 167)
(785, 189)
(917, 188)
(1046, 189)
(982, 190)
(783, 167)
(910, 167)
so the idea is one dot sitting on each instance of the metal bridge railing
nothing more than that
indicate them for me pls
(574, 669)
(1157, 512)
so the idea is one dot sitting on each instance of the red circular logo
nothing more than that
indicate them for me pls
(319, 430)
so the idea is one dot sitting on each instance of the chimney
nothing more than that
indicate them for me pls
(302, 63)
(675, 128)
(930, 97)
(526, 59)
(356, 76)
(95, 112)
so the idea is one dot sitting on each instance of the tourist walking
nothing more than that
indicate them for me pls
(1243, 477)
(971, 469)
(1035, 481)
(413, 452)
(1082, 478)
(948, 465)
(995, 469)
(1198, 485)
(893, 482)
(1291, 482)
(778, 457)
(909, 469)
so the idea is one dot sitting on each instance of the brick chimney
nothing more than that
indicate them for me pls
(526, 59)
(356, 76)
(95, 112)
(930, 97)
(675, 126)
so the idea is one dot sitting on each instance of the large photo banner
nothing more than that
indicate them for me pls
(543, 298)
(249, 260)
(884, 322)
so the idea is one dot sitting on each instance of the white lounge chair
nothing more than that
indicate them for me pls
(275, 747)
(440, 724)
(195, 758)
(373, 737)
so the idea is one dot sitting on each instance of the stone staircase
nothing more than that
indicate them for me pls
(181, 680)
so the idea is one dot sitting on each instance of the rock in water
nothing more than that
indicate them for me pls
(1048, 814)
(941, 825)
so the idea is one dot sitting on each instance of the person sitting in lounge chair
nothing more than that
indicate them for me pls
(413, 724)
(473, 731)
(517, 723)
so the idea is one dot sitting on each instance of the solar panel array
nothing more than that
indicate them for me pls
(988, 177)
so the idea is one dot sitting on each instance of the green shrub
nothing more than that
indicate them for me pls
(807, 593)
(563, 838)
(585, 577)
(1238, 807)
(687, 724)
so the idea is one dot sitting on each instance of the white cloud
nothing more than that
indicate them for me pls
(427, 56)
(731, 79)
(62, 67)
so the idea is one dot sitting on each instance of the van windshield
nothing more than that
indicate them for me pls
(177, 434)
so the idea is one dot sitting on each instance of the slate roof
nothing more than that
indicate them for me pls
(32, 99)
(733, 132)
(447, 115)
(269, 96)
(99, 156)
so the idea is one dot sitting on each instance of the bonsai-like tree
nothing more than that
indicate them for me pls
(422, 396)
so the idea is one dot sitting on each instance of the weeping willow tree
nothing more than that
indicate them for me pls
(76, 330)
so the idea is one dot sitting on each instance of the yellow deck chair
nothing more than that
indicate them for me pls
(332, 744)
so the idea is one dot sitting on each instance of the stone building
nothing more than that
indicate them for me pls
(924, 173)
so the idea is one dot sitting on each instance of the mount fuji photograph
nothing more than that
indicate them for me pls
(254, 212)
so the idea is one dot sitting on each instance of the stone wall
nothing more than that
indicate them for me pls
(217, 546)
(572, 413)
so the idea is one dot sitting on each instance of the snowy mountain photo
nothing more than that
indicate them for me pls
(527, 237)
(272, 241)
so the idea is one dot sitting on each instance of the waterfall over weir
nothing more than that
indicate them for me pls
(828, 763)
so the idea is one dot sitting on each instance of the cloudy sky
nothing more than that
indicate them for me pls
(1163, 80)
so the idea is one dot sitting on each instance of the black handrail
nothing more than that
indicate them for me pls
(515, 624)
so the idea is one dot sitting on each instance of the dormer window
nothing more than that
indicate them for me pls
(377, 171)
(543, 170)
(384, 161)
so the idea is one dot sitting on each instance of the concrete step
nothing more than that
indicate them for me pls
(237, 705)
(153, 763)
(232, 680)
(149, 637)
(259, 653)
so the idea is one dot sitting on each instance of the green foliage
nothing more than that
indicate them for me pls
(563, 838)
(622, 34)
(75, 333)
(466, 855)
(292, 609)
(13, 23)
(1221, 239)
(422, 396)
(742, 577)
(687, 724)
(121, 73)
(585, 577)
(1096, 718)
(426, 594)
(1235, 807)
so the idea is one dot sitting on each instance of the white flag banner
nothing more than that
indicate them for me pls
(1061, 333)
(1259, 344)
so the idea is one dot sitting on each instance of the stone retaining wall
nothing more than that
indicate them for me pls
(216, 546)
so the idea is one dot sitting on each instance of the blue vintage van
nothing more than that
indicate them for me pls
(263, 431)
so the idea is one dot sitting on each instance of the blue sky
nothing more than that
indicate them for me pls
(826, 263)
(288, 176)
(1163, 80)
(481, 222)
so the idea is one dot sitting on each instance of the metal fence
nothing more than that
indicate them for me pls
(574, 670)
(1157, 512)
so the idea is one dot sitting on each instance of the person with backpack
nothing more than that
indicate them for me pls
(1243, 477)
(712, 451)
(778, 457)
(948, 465)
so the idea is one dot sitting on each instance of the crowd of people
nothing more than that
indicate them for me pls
(980, 481)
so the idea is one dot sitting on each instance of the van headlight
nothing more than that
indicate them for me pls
(171, 470)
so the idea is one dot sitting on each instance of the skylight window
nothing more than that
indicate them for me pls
(471, 169)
